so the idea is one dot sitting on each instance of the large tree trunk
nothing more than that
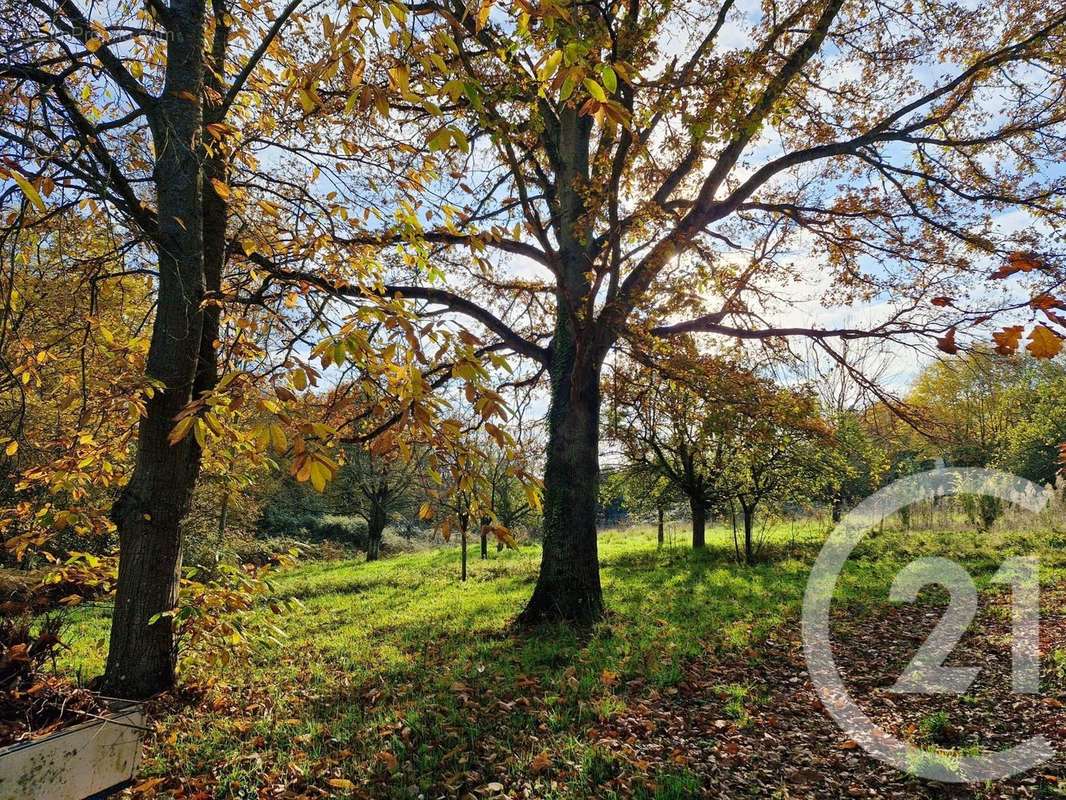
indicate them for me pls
(699, 522)
(568, 587)
(142, 655)
(660, 530)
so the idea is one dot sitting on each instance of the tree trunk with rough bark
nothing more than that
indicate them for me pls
(568, 587)
(660, 530)
(142, 654)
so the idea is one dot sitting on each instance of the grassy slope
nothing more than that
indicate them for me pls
(399, 679)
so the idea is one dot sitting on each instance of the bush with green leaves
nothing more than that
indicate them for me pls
(310, 527)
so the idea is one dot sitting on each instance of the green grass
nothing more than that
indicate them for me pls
(399, 678)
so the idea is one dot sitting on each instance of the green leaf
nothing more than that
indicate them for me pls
(567, 88)
(610, 80)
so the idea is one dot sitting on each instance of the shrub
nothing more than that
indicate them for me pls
(314, 528)
(346, 530)
(264, 551)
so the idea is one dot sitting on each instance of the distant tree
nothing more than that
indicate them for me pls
(646, 489)
(635, 489)
(459, 489)
(862, 463)
(375, 483)
(968, 404)
(987, 409)
(1033, 447)
(510, 501)
(783, 453)
(677, 421)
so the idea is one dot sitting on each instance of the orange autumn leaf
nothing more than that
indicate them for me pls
(388, 759)
(148, 786)
(1018, 262)
(1044, 342)
(1008, 339)
(947, 342)
(1045, 301)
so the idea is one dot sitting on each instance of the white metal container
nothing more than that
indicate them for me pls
(77, 762)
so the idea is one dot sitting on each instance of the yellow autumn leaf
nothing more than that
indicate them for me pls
(180, 430)
(12, 448)
(221, 189)
(595, 90)
(302, 469)
(93, 45)
(318, 477)
(400, 77)
(1044, 342)
(483, 14)
(213, 423)
(278, 438)
(341, 783)
(27, 188)
(307, 101)
(551, 65)
(262, 436)
(199, 432)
